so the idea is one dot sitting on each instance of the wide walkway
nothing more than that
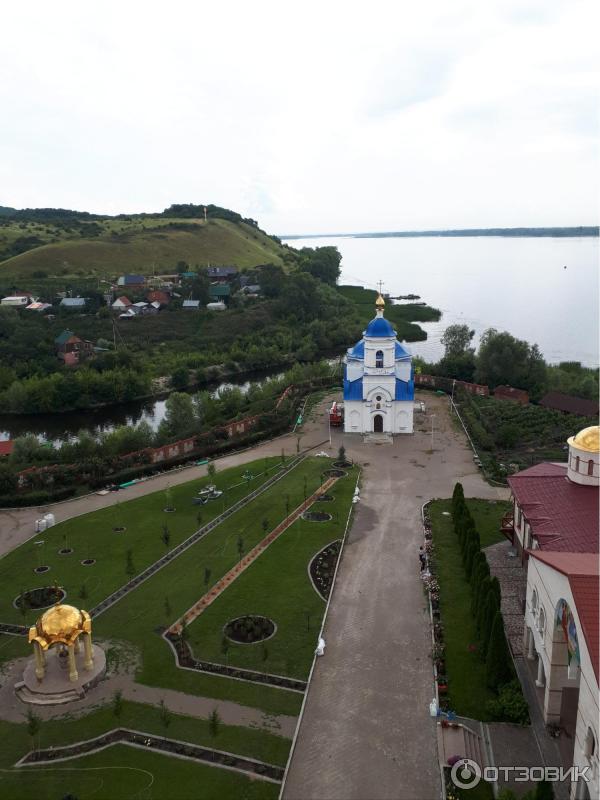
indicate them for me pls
(366, 731)
(16, 526)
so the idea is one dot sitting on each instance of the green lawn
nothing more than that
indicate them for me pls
(122, 773)
(277, 586)
(92, 536)
(467, 690)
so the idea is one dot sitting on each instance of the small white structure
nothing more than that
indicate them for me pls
(378, 381)
(219, 306)
(584, 456)
(121, 303)
(15, 300)
(320, 651)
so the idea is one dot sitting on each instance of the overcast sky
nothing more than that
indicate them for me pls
(310, 117)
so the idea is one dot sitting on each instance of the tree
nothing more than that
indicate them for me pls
(265, 526)
(225, 647)
(129, 565)
(8, 479)
(456, 340)
(240, 546)
(341, 454)
(214, 724)
(83, 592)
(503, 359)
(497, 663)
(165, 716)
(169, 499)
(180, 378)
(117, 704)
(507, 435)
(166, 536)
(180, 419)
(211, 470)
(207, 574)
(167, 607)
(34, 723)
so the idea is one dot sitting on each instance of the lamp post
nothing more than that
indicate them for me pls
(432, 418)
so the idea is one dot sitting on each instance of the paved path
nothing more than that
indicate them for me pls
(12, 709)
(16, 526)
(366, 730)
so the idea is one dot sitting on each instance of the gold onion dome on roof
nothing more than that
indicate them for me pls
(380, 302)
(588, 439)
(61, 623)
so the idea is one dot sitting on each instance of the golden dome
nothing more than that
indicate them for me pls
(380, 302)
(588, 439)
(61, 623)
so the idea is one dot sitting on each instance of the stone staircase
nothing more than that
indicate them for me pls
(26, 695)
(458, 739)
(378, 438)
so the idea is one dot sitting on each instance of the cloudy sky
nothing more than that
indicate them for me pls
(310, 117)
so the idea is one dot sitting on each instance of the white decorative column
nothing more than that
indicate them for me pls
(39, 661)
(73, 674)
(530, 645)
(87, 648)
(540, 674)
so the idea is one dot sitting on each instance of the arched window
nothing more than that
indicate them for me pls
(541, 622)
(589, 744)
(534, 602)
(379, 359)
(591, 466)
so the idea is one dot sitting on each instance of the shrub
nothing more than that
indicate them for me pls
(498, 665)
(510, 705)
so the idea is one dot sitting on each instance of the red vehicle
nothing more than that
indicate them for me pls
(336, 415)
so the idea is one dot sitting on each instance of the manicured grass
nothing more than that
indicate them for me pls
(140, 616)
(277, 585)
(467, 689)
(92, 536)
(122, 773)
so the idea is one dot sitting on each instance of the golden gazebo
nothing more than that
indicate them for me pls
(62, 625)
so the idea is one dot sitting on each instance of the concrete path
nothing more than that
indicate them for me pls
(16, 526)
(366, 730)
(13, 710)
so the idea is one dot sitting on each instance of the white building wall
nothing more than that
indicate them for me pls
(551, 586)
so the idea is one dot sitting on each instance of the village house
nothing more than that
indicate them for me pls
(519, 396)
(16, 300)
(221, 274)
(71, 349)
(569, 404)
(39, 307)
(121, 304)
(73, 303)
(219, 292)
(132, 282)
(191, 305)
(158, 296)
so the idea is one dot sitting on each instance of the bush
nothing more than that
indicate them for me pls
(40, 498)
(510, 706)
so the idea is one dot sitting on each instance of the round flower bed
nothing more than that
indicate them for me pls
(249, 629)
(42, 597)
(43, 568)
(65, 551)
(316, 516)
(325, 498)
(342, 464)
(322, 568)
(335, 473)
(119, 529)
(87, 562)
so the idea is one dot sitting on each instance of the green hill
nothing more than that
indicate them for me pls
(104, 248)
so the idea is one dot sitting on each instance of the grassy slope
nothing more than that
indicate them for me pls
(468, 693)
(140, 250)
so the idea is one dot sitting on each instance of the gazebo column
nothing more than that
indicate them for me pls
(76, 646)
(73, 674)
(87, 648)
(39, 661)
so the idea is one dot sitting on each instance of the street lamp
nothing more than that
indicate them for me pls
(432, 418)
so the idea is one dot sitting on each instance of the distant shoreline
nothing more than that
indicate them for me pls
(556, 232)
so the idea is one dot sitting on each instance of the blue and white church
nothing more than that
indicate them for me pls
(379, 385)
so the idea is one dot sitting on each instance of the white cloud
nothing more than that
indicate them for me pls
(320, 117)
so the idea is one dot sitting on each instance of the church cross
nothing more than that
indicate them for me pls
(380, 284)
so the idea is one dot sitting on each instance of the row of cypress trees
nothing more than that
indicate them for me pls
(485, 595)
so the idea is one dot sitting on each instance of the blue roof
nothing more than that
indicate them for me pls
(358, 351)
(405, 390)
(353, 390)
(379, 327)
(400, 352)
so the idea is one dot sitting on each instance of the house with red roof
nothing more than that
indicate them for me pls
(561, 637)
(555, 506)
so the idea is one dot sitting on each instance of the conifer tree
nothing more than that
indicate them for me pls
(492, 607)
(497, 663)
(482, 600)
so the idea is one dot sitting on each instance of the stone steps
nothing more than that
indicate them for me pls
(26, 695)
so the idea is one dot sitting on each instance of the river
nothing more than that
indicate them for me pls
(542, 290)
(518, 285)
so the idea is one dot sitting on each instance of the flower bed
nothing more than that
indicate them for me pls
(41, 597)
(249, 629)
(316, 516)
(322, 568)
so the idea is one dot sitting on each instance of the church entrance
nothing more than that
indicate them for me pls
(377, 423)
